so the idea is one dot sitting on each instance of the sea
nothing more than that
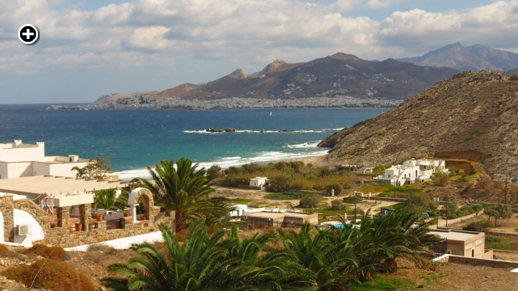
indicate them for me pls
(135, 139)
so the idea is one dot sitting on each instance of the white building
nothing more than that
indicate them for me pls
(21, 160)
(258, 182)
(412, 171)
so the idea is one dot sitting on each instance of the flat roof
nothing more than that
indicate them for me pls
(272, 215)
(52, 185)
(455, 235)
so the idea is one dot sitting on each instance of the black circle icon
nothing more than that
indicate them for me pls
(28, 34)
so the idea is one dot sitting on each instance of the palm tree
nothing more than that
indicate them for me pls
(379, 241)
(207, 262)
(200, 263)
(318, 254)
(183, 189)
(276, 269)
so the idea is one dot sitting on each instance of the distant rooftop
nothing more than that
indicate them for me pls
(455, 235)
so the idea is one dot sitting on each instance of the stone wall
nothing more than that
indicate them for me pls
(96, 231)
(92, 231)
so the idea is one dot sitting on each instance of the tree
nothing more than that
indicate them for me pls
(338, 205)
(208, 261)
(95, 169)
(317, 253)
(500, 211)
(310, 201)
(278, 183)
(198, 264)
(185, 190)
(337, 187)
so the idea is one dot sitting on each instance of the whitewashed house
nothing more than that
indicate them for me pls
(258, 182)
(22, 160)
(411, 171)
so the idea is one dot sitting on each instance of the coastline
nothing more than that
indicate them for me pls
(316, 160)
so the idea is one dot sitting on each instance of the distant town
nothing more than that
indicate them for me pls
(142, 102)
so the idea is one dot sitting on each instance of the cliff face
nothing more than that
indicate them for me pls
(470, 115)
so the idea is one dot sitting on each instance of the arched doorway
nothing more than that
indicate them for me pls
(149, 203)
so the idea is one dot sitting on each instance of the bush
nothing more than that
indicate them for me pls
(278, 184)
(53, 253)
(514, 77)
(233, 180)
(481, 225)
(441, 179)
(338, 205)
(326, 172)
(310, 201)
(233, 170)
(214, 170)
(54, 275)
(476, 207)
(337, 187)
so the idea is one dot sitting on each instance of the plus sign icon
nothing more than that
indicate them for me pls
(28, 34)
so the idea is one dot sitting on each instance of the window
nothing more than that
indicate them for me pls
(472, 253)
(388, 176)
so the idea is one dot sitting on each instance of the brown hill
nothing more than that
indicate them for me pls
(471, 115)
(339, 74)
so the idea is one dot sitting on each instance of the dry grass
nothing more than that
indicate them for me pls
(54, 275)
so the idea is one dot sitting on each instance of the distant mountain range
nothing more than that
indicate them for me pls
(337, 75)
(472, 58)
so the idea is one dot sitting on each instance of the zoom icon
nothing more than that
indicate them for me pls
(28, 34)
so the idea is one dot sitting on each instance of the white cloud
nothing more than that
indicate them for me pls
(377, 4)
(244, 32)
(490, 25)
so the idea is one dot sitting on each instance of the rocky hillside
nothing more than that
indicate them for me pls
(339, 74)
(472, 58)
(470, 115)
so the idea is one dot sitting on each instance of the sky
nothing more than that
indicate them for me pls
(91, 48)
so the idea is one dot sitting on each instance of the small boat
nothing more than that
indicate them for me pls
(271, 113)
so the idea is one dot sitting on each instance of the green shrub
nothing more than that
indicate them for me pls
(481, 225)
(279, 183)
(326, 172)
(233, 180)
(338, 205)
(337, 187)
(514, 77)
(476, 207)
(214, 170)
(233, 170)
(310, 201)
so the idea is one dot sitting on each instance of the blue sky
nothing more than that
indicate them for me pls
(91, 48)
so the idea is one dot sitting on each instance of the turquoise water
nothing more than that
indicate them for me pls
(136, 138)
